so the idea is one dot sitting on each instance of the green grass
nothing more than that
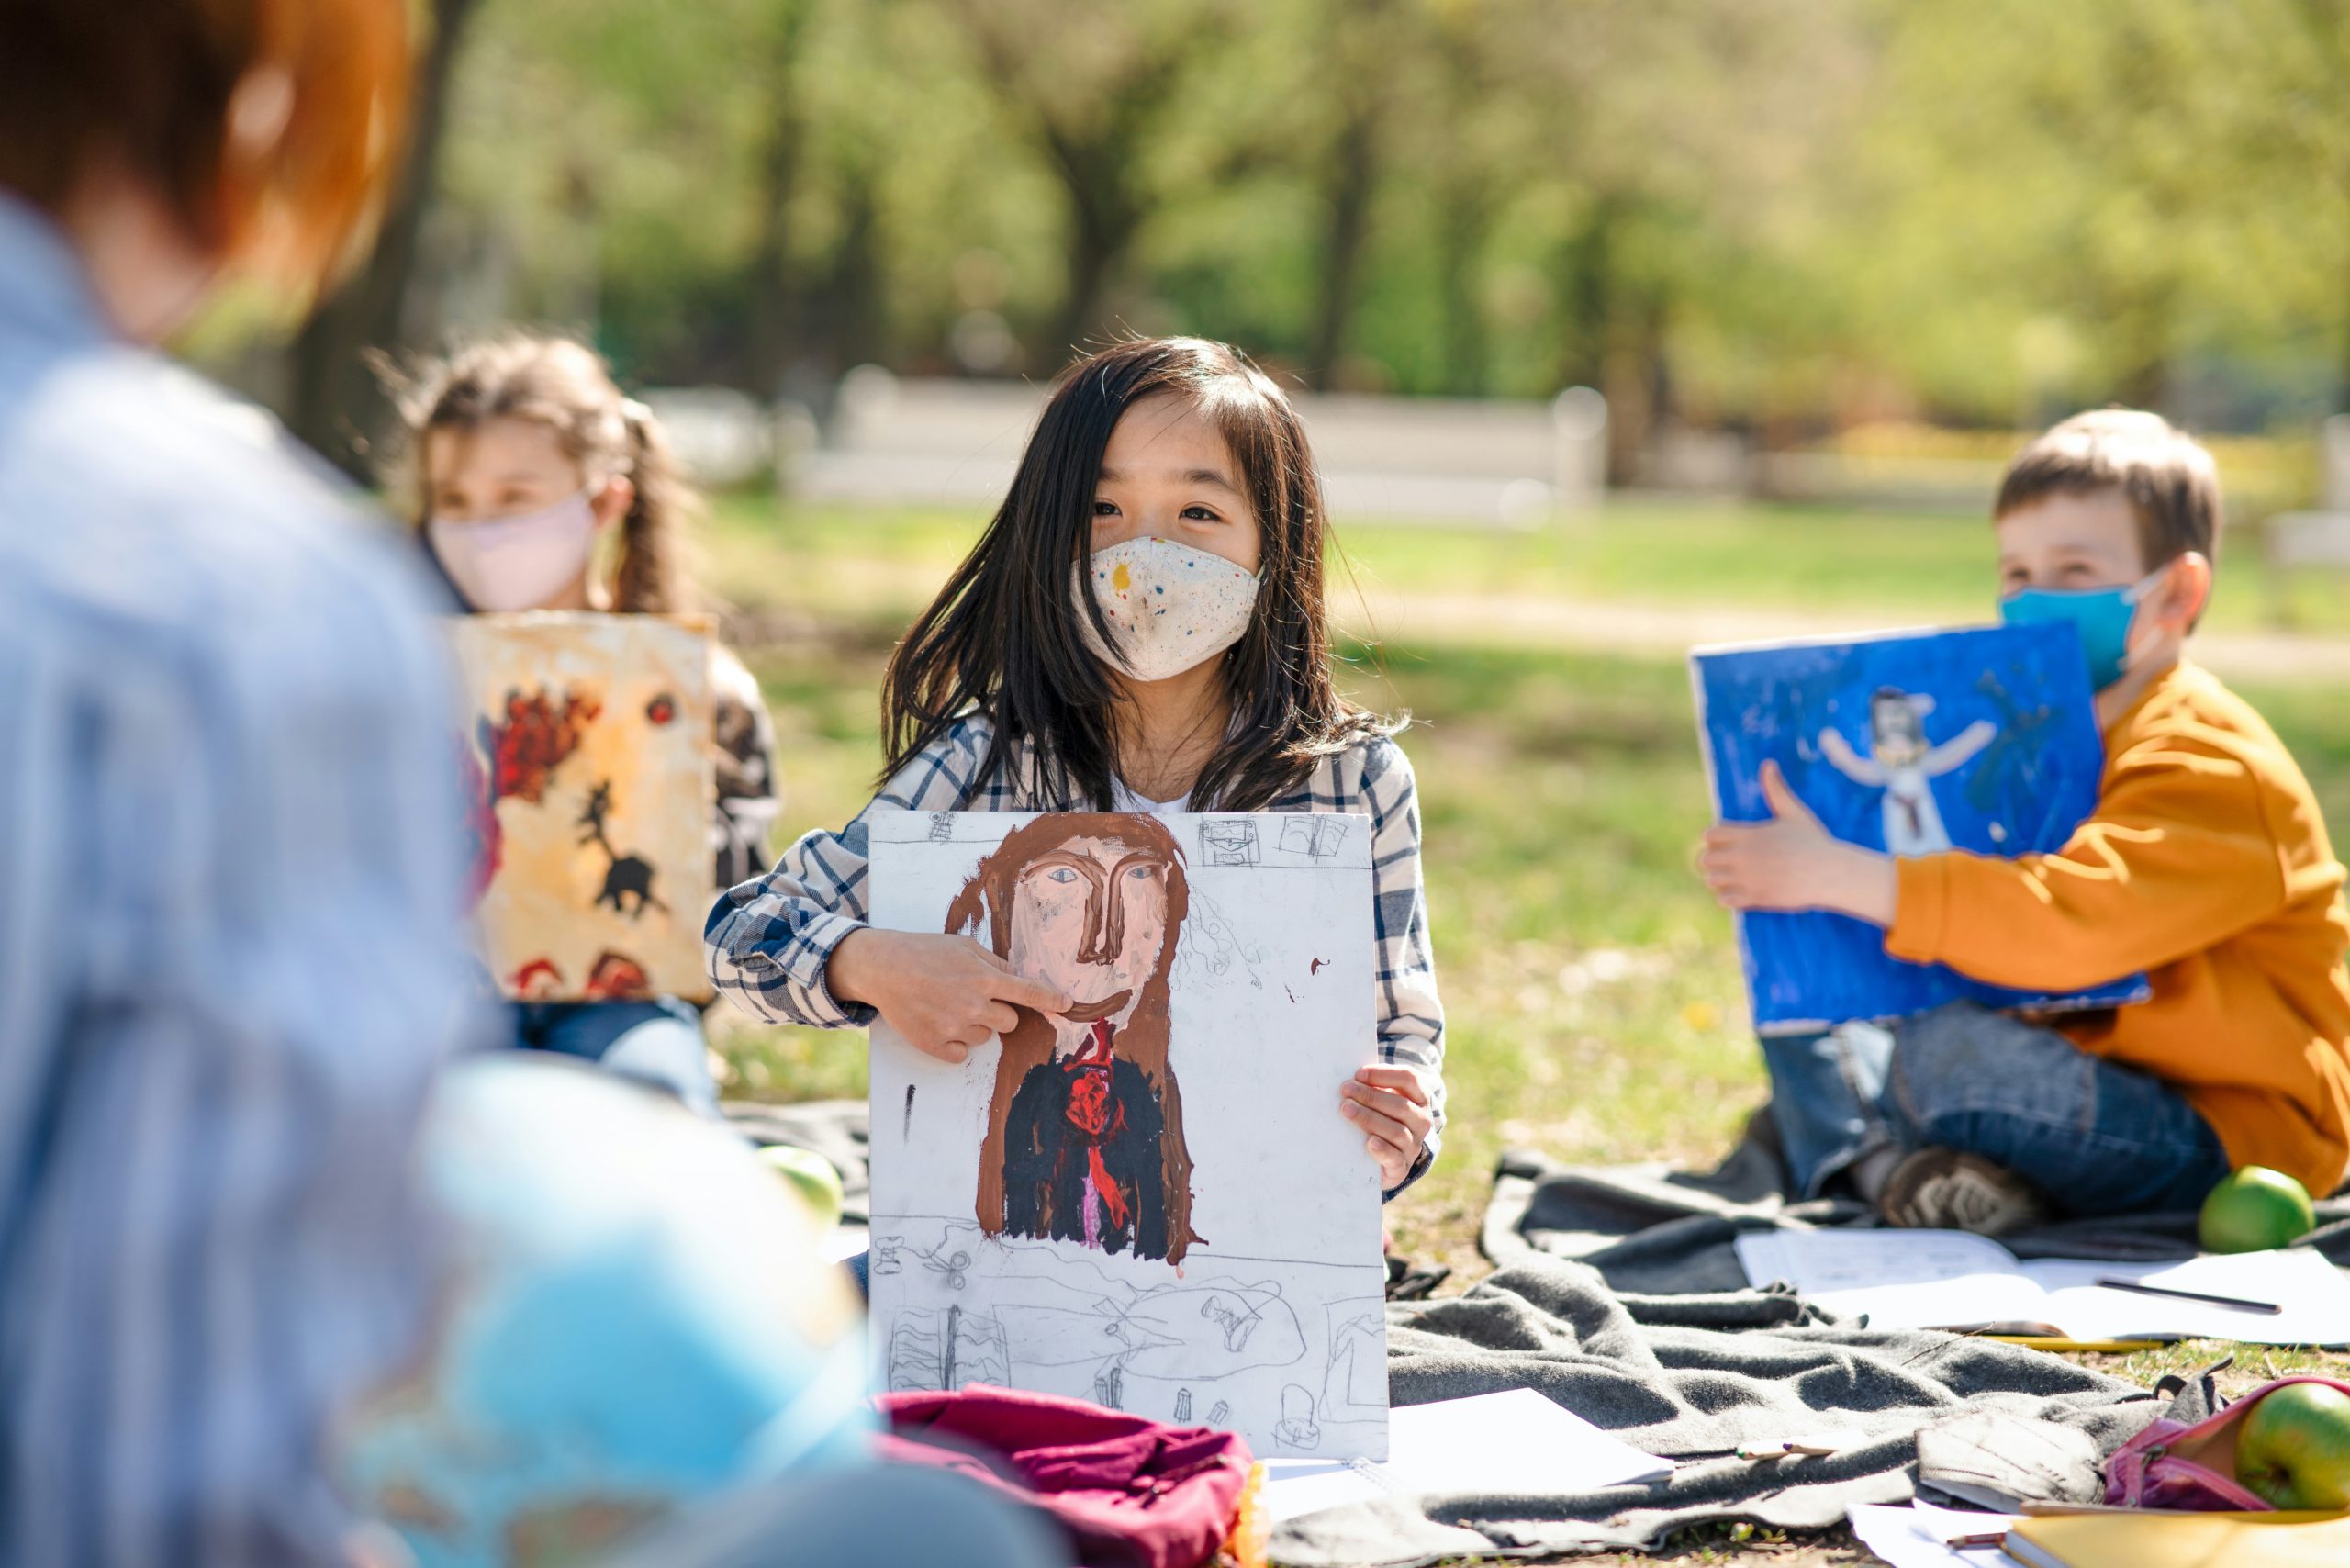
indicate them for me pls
(1591, 987)
(1889, 567)
(1595, 1009)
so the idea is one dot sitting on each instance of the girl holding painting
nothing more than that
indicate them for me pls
(539, 485)
(1141, 629)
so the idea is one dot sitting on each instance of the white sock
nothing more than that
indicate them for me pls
(1871, 1170)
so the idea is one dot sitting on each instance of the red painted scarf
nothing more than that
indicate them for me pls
(1092, 1114)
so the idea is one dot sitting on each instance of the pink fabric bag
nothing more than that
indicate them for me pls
(2191, 1469)
(1133, 1492)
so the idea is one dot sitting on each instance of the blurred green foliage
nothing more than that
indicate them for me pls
(1781, 215)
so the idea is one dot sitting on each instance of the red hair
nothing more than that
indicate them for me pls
(267, 127)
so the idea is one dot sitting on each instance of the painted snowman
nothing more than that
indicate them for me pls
(1901, 764)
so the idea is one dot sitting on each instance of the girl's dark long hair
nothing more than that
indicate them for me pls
(1003, 636)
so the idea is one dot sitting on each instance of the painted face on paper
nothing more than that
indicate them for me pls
(1897, 728)
(1089, 918)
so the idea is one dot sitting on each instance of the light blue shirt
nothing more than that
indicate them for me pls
(229, 955)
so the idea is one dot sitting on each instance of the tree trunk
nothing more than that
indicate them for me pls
(1636, 379)
(1588, 291)
(337, 404)
(1353, 171)
(2342, 394)
(1100, 232)
(771, 284)
(2143, 332)
(1458, 249)
(856, 329)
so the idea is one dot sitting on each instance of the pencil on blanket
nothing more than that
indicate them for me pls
(2142, 1288)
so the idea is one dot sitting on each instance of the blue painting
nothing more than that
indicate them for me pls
(1983, 740)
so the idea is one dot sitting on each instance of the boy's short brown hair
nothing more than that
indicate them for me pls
(266, 126)
(2166, 474)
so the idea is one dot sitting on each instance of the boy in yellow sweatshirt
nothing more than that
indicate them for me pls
(2205, 865)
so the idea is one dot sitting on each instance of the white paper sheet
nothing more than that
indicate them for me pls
(2314, 1293)
(1948, 1279)
(1513, 1442)
(1916, 1536)
(1231, 1276)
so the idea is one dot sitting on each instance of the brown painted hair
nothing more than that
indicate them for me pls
(267, 127)
(567, 387)
(986, 900)
(2166, 474)
(1005, 634)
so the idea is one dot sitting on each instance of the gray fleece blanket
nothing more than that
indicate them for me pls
(1672, 1353)
(1655, 1229)
(1695, 1379)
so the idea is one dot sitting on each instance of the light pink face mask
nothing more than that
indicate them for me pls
(516, 563)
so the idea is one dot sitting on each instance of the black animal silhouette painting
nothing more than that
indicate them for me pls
(592, 760)
(631, 876)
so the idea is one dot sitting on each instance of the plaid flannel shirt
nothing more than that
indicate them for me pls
(768, 940)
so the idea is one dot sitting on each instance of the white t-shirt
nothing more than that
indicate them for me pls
(1124, 799)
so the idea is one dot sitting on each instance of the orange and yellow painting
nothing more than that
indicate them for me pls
(590, 764)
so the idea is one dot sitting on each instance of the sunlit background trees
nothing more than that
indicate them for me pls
(1781, 217)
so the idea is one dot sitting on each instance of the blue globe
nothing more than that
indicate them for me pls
(637, 1317)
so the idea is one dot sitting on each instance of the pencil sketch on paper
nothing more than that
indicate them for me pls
(591, 760)
(1229, 841)
(1315, 837)
(1074, 1328)
(1354, 1378)
(946, 1350)
(1147, 1200)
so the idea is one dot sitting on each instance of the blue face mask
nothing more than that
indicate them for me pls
(2104, 616)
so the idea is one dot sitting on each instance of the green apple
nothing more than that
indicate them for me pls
(2254, 1210)
(2294, 1449)
(813, 1177)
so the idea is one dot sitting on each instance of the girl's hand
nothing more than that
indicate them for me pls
(943, 994)
(1390, 1103)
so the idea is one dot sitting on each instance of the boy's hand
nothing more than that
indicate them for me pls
(1390, 1103)
(1792, 863)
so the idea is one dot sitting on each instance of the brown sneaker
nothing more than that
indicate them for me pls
(1941, 1189)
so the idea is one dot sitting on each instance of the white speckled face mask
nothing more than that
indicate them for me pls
(1170, 607)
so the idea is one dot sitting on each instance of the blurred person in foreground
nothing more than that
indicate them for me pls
(2206, 865)
(639, 1346)
(228, 857)
(232, 1241)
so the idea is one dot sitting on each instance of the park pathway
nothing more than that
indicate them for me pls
(1403, 619)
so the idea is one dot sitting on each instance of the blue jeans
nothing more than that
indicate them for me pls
(2095, 1136)
(658, 1043)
